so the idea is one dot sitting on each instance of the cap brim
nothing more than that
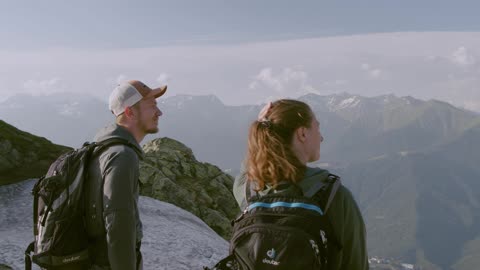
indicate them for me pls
(158, 92)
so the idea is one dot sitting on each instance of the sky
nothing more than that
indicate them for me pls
(244, 52)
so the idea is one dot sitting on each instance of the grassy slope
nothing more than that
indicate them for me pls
(29, 156)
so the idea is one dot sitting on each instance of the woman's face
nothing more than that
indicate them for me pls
(313, 140)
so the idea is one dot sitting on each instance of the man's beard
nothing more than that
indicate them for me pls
(149, 130)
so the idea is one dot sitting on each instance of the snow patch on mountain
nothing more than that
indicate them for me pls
(343, 101)
(349, 102)
(173, 238)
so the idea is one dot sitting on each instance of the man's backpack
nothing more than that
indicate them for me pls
(61, 240)
(284, 230)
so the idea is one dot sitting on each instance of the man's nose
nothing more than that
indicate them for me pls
(159, 112)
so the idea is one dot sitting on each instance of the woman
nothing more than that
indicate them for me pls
(285, 137)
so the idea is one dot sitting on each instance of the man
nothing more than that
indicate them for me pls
(112, 217)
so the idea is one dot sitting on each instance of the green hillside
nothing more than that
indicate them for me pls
(419, 207)
(23, 155)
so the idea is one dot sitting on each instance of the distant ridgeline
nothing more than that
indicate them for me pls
(413, 166)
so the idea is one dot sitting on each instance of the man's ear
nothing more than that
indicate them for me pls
(129, 112)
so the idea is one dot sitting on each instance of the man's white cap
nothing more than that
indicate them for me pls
(126, 94)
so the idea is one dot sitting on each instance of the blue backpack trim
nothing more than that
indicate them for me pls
(286, 204)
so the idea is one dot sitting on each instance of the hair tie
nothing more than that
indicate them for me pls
(262, 116)
(265, 122)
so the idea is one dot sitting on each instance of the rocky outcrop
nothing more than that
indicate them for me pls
(171, 173)
(23, 155)
(5, 267)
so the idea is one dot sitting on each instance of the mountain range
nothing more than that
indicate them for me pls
(355, 127)
(411, 164)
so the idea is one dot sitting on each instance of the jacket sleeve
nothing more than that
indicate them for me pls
(349, 227)
(239, 188)
(120, 172)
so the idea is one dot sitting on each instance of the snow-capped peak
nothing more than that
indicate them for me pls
(343, 102)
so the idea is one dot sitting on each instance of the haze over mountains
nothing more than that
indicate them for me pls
(355, 127)
(411, 164)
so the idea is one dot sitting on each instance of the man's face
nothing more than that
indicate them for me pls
(148, 114)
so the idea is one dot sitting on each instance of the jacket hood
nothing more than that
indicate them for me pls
(116, 131)
(313, 181)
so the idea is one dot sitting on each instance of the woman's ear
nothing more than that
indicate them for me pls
(301, 135)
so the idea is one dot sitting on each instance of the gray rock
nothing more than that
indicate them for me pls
(171, 173)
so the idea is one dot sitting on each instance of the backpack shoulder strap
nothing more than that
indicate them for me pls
(324, 180)
(335, 182)
(249, 190)
(102, 145)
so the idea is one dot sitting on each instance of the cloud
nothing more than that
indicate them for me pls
(70, 109)
(265, 78)
(121, 78)
(415, 64)
(43, 87)
(375, 73)
(288, 80)
(472, 105)
(163, 78)
(112, 81)
(372, 73)
(462, 57)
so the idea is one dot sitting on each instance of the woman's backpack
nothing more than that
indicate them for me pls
(287, 229)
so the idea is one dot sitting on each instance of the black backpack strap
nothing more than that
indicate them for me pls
(335, 185)
(98, 147)
(315, 185)
(248, 192)
(227, 263)
(28, 259)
